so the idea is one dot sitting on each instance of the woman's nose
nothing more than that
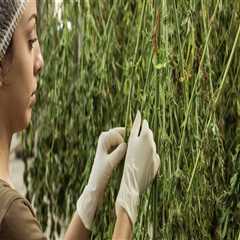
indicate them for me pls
(39, 64)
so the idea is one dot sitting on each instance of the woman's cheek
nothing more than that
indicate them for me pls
(21, 99)
(22, 112)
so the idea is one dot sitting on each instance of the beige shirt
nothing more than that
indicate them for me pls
(17, 218)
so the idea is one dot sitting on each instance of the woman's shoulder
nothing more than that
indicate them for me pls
(9, 197)
(16, 215)
(11, 201)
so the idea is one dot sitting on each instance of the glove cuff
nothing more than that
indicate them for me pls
(87, 206)
(129, 200)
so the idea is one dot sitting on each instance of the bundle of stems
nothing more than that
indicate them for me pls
(176, 61)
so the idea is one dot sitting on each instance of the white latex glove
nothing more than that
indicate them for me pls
(104, 163)
(141, 165)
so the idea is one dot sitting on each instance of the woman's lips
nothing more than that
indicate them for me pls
(33, 100)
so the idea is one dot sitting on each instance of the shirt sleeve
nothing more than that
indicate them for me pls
(20, 223)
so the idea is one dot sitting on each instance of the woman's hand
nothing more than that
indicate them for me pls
(104, 163)
(141, 165)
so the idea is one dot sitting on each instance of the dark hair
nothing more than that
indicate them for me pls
(9, 53)
(10, 48)
(10, 12)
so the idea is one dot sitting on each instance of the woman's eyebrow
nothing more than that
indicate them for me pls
(33, 16)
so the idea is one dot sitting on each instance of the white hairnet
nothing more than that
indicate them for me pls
(10, 12)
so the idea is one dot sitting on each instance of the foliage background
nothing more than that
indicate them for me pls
(176, 61)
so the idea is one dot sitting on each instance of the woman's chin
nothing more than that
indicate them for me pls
(28, 117)
(25, 121)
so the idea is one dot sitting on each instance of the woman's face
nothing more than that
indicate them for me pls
(19, 71)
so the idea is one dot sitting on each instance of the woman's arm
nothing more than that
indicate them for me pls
(76, 229)
(140, 168)
(106, 159)
(122, 230)
(123, 226)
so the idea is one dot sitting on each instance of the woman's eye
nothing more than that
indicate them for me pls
(31, 43)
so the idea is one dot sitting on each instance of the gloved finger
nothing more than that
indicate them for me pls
(153, 146)
(146, 131)
(136, 125)
(145, 128)
(112, 139)
(156, 164)
(117, 155)
(152, 140)
(147, 136)
(150, 132)
(120, 130)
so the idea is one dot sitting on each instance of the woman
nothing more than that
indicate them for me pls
(20, 63)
